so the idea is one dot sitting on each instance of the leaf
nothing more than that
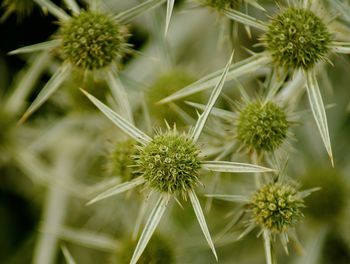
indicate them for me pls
(217, 112)
(341, 47)
(236, 70)
(169, 11)
(67, 255)
(47, 45)
(51, 86)
(151, 224)
(201, 220)
(318, 111)
(120, 122)
(267, 246)
(53, 9)
(120, 95)
(212, 100)
(128, 15)
(72, 5)
(245, 19)
(230, 198)
(228, 166)
(118, 189)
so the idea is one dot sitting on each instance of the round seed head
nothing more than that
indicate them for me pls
(297, 38)
(121, 160)
(276, 207)
(262, 126)
(92, 40)
(170, 163)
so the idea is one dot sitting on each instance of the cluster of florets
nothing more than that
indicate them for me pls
(222, 4)
(121, 160)
(262, 126)
(92, 40)
(297, 38)
(170, 163)
(276, 207)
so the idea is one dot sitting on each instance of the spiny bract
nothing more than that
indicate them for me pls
(276, 207)
(262, 126)
(297, 38)
(170, 163)
(92, 40)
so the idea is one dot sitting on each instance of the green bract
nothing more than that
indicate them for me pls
(262, 126)
(92, 40)
(297, 38)
(276, 207)
(170, 163)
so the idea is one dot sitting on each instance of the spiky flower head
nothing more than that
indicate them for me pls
(170, 163)
(297, 38)
(276, 207)
(262, 126)
(92, 40)
(121, 160)
(222, 4)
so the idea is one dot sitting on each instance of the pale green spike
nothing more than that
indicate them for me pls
(47, 45)
(245, 19)
(53, 9)
(228, 166)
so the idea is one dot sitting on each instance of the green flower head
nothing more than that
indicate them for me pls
(276, 207)
(262, 126)
(297, 38)
(170, 163)
(92, 40)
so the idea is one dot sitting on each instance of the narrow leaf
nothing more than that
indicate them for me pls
(228, 166)
(151, 224)
(230, 198)
(53, 9)
(169, 11)
(128, 15)
(120, 122)
(318, 111)
(236, 70)
(120, 95)
(51, 86)
(120, 188)
(47, 45)
(201, 220)
(267, 246)
(67, 255)
(245, 19)
(72, 5)
(217, 112)
(341, 47)
(212, 100)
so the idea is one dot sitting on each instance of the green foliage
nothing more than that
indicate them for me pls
(21, 8)
(170, 163)
(329, 203)
(222, 4)
(276, 207)
(92, 40)
(262, 126)
(297, 38)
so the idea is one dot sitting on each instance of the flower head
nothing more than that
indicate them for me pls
(276, 207)
(262, 126)
(92, 40)
(297, 38)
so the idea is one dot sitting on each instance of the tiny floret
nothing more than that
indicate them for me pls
(92, 40)
(262, 126)
(170, 163)
(297, 38)
(276, 207)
